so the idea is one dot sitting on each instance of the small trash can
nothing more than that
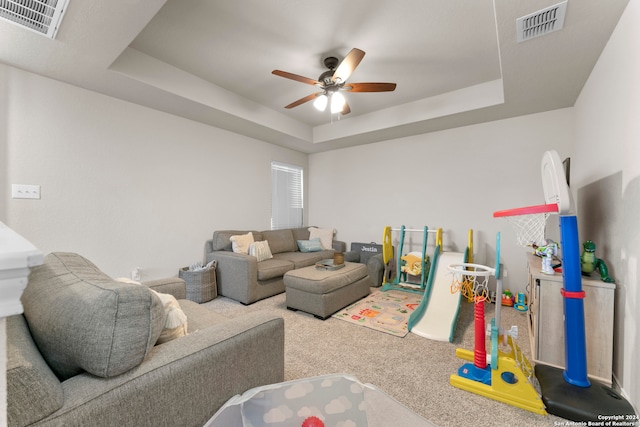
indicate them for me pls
(201, 283)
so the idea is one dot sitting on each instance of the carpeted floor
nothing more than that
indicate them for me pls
(413, 370)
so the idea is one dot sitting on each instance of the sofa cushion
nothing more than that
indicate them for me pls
(301, 233)
(304, 259)
(280, 241)
(272, 268)
(33, 389)
(81, 319)
(199, 316)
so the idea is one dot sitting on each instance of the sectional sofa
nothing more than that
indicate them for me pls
(249, 278)
(87, 351)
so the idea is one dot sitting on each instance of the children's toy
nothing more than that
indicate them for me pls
(589, 263)
(520, 302)
(507, 298)
(327, 400)
(437, 315)
(412, 264)
(548, 251)
(312, 422)
(499, 375)
(399, 281)
(567, 393)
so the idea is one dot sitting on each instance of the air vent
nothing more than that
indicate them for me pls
(540, 23)
(41, 16)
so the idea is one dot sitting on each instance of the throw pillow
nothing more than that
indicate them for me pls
(175, 325)
(260, 250)
(240, 243)
(325, 235)
(312, 245)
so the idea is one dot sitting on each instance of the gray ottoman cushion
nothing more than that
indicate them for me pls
(317, 281)
(323, 292)
(82, 320)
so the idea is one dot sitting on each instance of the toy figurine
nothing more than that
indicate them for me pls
(589, 262)
(548, 251)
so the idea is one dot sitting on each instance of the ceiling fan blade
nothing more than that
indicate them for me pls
(296, 77)
(348, 64)
(303, 100)
(346, 109)
(370, 87)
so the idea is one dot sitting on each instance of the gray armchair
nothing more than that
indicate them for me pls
(369, 254)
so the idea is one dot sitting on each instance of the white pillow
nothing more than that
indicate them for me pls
(240, 243)
(176, 321)
(325, 235)
(260, 250)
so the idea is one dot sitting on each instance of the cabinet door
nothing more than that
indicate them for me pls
(598, 318)
(550, 323)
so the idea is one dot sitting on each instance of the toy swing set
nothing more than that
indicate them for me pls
(506, 376)
(417, 264)
(436, 315)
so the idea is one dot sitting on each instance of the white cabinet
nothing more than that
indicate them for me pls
(546, 321)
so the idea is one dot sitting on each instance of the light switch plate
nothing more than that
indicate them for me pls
(22, 191)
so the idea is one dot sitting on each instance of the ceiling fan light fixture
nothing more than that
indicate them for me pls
(337, 102)
(321, 102)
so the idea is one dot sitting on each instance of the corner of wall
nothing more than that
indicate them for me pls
(4, 165)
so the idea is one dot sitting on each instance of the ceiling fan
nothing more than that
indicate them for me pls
(333, 81)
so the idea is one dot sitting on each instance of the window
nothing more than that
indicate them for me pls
(286, 196)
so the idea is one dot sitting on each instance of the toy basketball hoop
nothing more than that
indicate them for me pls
(471, 280)
(529, 222)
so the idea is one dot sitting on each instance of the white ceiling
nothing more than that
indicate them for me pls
(455, 62)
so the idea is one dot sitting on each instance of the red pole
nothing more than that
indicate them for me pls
(480, 351)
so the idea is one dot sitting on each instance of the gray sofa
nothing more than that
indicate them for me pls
(84, 352)
(242, 278)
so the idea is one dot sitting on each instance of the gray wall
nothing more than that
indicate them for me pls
(124, 185)
(454, 179)
(606, 180)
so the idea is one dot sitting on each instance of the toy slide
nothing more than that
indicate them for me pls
(437, 315)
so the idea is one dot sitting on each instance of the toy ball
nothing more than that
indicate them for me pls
(312, 422)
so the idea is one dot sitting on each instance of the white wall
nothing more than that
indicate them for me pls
(454, 179)
(606, 169)
(124, 185)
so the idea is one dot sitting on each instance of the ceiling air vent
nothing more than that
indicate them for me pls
(41, 16)
(540, 23)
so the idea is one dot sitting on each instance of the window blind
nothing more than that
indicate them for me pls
(286, 196)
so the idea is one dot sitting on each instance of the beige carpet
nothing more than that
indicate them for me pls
(413, 370)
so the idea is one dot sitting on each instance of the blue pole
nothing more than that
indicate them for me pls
(575, 372)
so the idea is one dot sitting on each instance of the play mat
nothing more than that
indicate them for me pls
(386, 311)
(331, 400)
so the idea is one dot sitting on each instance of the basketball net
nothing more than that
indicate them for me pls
(471, 280)
(529, 223)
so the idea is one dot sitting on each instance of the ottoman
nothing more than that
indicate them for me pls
(323, 292)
